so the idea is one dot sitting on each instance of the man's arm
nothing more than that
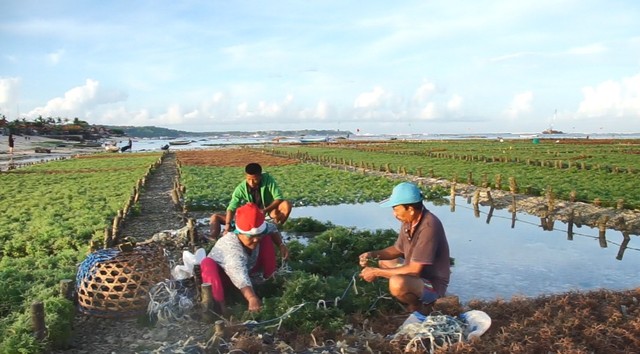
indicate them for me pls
(371, 273)
(390, 252)
(227, 219)
(272, 206)
(271, 192)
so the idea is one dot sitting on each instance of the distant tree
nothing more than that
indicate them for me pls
(40, 122)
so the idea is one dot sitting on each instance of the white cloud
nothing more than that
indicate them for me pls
(595, 48)
(370, 99)
(322, 111)
(78, 101)
(54, 58)
(454, 103)
(8, 93)
(520, 104)
(612, 98)
(424, 92)
(173, 116)
(428, 111)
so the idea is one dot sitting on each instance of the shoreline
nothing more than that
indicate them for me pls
(24, 151)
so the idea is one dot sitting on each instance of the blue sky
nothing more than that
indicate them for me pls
(373, 66)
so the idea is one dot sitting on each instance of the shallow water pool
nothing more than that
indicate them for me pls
(494, 260)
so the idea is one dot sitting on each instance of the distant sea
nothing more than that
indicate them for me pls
(153, 144)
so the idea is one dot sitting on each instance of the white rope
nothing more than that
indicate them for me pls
(440, 330)
(167, 304)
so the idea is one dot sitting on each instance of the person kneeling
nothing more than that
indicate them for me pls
(417, 264)
(238, 255)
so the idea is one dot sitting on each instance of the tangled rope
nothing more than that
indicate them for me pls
(171, 300)
(439, 330)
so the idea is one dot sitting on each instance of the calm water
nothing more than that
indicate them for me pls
(493, 260)
(213, 141)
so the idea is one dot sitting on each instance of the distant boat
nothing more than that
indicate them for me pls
(179, 142)
(551, 130)
(314, 140)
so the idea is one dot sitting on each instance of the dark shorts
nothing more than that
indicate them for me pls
(429, 295)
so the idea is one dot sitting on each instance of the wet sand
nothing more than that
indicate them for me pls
(24, 151)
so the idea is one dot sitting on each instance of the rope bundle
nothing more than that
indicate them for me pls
(171, 300)
(440, 330)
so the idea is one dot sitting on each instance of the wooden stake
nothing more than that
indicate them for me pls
(602, 228)
(490, 214)
(623, 245)
(67, 289)
(206, 302)
(37, 321)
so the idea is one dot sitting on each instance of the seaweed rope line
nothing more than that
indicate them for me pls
(552, 229)
(440, 330)
(319, 304)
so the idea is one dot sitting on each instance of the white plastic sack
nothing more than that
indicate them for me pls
(184, 271)
(477, 323)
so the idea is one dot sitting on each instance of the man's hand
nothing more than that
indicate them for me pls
(364, 259)
(369, 274)
(227, 228)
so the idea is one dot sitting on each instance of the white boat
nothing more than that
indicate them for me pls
(111, 148)
(179, 142)
(314, 140)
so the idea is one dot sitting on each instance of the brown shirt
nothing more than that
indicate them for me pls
(427, 245)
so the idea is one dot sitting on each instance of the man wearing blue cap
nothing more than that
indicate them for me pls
(417, 264)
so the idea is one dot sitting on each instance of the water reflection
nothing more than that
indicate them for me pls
(505, 254)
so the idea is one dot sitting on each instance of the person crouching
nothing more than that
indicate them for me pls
(238, 255)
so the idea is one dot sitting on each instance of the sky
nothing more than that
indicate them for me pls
(369, 67)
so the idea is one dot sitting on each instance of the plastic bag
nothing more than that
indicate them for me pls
(477, 323)
(184, 271)
(414, 317)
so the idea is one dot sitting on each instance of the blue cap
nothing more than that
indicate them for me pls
(403, 193)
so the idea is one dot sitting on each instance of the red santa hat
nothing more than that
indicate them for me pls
(250, 220)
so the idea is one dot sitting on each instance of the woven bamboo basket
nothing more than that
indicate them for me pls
(111, 283)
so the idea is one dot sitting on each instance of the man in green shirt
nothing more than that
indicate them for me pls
(259, 188)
